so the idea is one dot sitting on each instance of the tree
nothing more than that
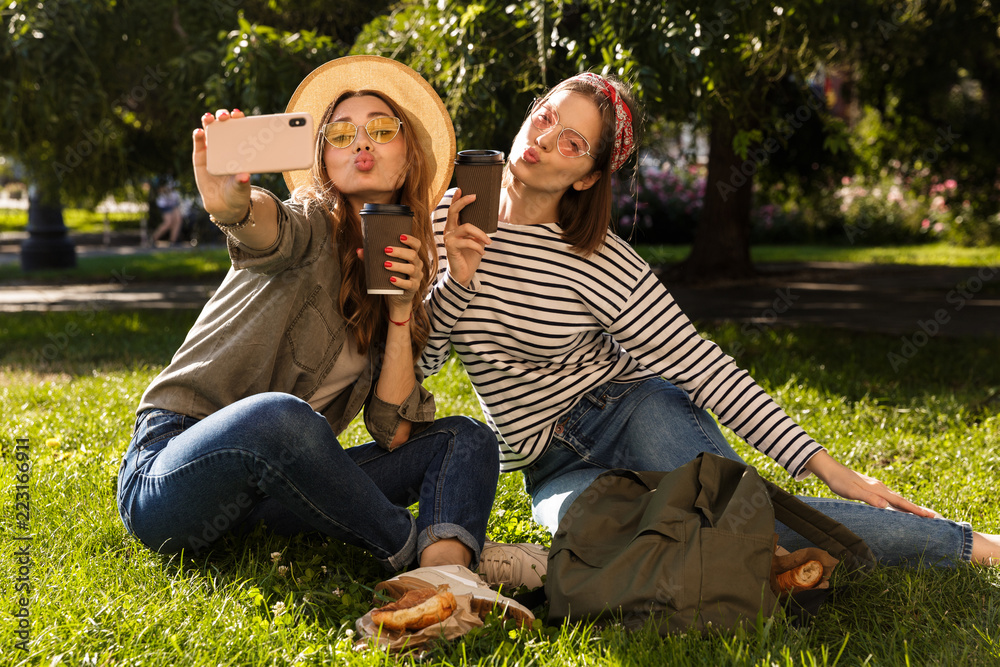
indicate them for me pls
(721, 65)
(482, 58)
(738, 70)
(104, 93)
(711, 62)
(929, 74)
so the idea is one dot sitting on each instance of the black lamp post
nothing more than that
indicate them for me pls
(48, 245)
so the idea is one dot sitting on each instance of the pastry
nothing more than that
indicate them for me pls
(803, 577)
(417, 609)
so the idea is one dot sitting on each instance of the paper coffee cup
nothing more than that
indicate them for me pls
(381, 226)
(478, 172)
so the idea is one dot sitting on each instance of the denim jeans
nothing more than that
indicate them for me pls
(653, 425)
(184, 482)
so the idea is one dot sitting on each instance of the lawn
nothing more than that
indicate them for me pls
(78, 220)
(211, 263)
(69, 383)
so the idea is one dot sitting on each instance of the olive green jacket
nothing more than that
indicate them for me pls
(275, 325)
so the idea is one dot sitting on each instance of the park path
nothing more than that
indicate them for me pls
(894, 299)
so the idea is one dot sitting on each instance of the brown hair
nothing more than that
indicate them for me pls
(584, 215)
(367, 314)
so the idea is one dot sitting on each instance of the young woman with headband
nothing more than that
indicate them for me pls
(242, 425)
(583, 361)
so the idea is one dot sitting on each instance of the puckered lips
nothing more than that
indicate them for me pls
(530, 155)
(364, 161)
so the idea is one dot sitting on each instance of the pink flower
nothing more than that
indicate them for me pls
(950, 184)
(925, 224)
(846, 180)
(938, 227)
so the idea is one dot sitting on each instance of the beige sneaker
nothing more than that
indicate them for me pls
(513, 565)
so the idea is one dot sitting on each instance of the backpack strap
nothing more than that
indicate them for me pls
(821, 530)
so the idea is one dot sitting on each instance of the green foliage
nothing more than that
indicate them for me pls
(882, 209)
(99, 94)
(482, 58)
(926, 75)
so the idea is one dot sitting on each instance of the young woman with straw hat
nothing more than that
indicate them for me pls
(242, 425)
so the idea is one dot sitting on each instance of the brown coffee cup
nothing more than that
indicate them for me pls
(478, 172)
(381, 226)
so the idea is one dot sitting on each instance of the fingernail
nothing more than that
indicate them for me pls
(245, 180)
(235, 110)
(402, 238)
(388, 250)
(388, 265)
(392, 279)
(358, 251)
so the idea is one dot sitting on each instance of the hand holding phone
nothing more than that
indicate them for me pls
(260, 144)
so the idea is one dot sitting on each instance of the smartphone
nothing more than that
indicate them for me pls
(260, 144)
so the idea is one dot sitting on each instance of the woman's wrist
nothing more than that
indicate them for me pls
(237, 223)
(399, 323)
(821, 464)
(400, 317)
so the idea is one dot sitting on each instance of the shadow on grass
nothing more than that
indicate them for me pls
(80, 343)
(859, 365)
(851, 364)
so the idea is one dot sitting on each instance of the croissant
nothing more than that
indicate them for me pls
(416, 610)
(803, 577)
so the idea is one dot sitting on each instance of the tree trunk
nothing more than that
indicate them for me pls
(48, 245)
(721, 249)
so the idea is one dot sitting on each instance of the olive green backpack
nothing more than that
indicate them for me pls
(693, 547)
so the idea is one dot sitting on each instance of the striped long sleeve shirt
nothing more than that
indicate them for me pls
(540, 326)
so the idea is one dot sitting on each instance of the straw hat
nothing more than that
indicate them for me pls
(428, 118)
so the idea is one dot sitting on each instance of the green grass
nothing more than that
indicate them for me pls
(212, 263)
(941, 254)
(69, 383)
(193, 264)
(78, 220)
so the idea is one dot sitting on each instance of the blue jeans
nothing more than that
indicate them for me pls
(184, 482)
(653, 425)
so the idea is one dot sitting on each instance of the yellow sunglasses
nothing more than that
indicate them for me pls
(342, 134)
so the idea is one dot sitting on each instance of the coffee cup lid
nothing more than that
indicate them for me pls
(386, 209)
(479, 157)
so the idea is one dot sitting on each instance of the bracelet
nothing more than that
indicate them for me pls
(399, 324)
(239, 224)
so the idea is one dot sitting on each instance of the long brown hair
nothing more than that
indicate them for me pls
(367, 314)
(584, 215)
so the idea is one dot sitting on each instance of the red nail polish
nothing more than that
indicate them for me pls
(392, 279)
(403, 238)
(388, 250)
(388, 265)
(235, 110)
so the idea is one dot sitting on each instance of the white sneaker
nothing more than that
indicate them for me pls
(513, 565)
(460, 580)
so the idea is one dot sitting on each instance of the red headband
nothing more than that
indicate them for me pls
(624, 142)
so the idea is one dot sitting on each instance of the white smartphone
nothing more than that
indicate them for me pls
(260, 144)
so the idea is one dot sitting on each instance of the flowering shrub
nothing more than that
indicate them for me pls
(910, 209)
(667, 207)
(664, 205)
